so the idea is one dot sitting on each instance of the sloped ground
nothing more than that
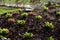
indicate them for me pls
(32, 25)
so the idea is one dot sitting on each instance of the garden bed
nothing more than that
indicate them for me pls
(32, 25)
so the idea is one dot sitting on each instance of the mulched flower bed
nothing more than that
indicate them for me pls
(32, 25)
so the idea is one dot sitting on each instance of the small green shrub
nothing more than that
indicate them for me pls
(1, 14)
(48, 25)
(28, 35)
(20, 10)
(21, 22)
(58, 20)
(1, 36)
(50, 38)
(38, 17)
(56, 5)
(45, 8)
(9, 15)
(5, 31)
(58, 13)
(24, 15)
(0, 30)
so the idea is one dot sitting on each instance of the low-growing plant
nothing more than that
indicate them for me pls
(5, 31)
(28, 35)
(21, 22)
(20, 10)
(58, 20)
(1, 36)
(58, 13)
(56, 5)
(24, 15)
(1, 14)
(9, 15)
(48, 25)
(45, 8)
(50, 38)
(0, 30)
(38, 17)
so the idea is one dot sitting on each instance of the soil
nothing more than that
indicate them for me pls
(32, 25)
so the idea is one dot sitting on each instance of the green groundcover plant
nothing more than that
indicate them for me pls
(0, 30)
(28, 35)
(1, 36)
(21, 22)
(24, 15)
(45, 8)
(58, 20)
(56, 5)
(38, 17)
(48, 25)
(50, 38)
(4, 31)
(58, 13)
(1, 14)
(9, 15)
